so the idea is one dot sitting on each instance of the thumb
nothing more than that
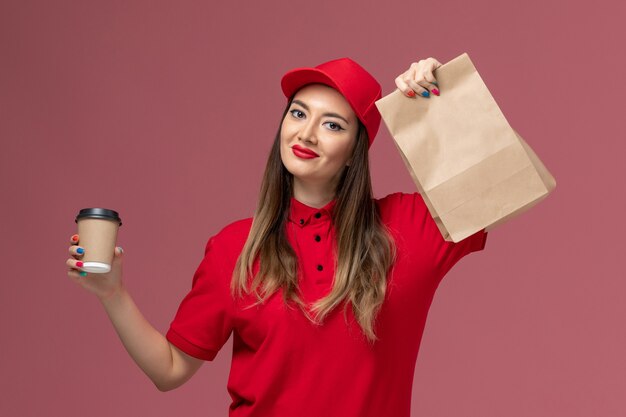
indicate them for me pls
(118, 255)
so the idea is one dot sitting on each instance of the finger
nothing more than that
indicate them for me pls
(430, 83)
(432, 64)
(77, 251)
(74, 264)
(430, 76)
(419, 87)
(75, 275)
(117, 253)
(404, 87)
(74, 240)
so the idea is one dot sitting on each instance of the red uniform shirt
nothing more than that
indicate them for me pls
(282, 364)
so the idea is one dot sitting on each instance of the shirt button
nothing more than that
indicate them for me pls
(320, 267)
(318, 215)
(317, 238)
(301, 221)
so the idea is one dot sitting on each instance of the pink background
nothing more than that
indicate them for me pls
(165, 111)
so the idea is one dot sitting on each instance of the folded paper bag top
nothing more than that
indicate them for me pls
(471, 168)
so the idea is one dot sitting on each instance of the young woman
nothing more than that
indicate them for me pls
(326, 289)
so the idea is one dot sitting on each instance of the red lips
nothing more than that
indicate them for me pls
(304, 150)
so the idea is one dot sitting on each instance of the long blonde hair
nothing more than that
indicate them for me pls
(365, 248)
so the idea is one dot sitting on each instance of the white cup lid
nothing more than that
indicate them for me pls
(96, 267)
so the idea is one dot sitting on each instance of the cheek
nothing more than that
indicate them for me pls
(284, 147)
(343, 151)
(285, 133)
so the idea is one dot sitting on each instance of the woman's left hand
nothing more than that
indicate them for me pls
(419, 78)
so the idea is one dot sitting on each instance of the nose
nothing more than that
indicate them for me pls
(307, 132)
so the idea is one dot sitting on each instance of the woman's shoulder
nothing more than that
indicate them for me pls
(235, 229)
(400, 202)
(231, 237)
(401, 209)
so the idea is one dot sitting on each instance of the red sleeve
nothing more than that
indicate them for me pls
(408, 214)
(204, 319)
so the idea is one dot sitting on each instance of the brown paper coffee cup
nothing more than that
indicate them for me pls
(97, 231)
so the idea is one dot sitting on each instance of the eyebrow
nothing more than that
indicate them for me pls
(325, 114)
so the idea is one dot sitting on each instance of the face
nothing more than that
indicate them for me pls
(319, 122)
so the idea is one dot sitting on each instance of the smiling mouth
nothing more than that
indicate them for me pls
(303, 153)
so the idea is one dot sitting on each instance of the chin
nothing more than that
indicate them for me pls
(303, 173)
(299, 172)
(296, 165)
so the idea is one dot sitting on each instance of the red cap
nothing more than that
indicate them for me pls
(358, 86)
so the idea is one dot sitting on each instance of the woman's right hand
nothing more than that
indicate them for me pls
(102, 285)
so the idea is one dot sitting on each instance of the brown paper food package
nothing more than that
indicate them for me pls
(471, 168)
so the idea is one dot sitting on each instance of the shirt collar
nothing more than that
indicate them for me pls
(301, 214)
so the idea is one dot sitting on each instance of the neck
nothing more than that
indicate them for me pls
(313, 195)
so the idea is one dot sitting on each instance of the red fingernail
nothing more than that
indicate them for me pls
(411, 93)
(435, 91)
(79, 264)
(75, 237)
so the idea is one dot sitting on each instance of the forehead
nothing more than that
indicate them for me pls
(323, 97)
